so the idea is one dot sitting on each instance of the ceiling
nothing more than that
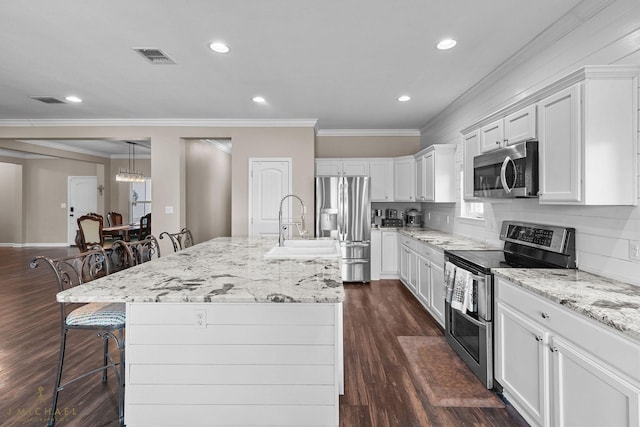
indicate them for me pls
(341, 62)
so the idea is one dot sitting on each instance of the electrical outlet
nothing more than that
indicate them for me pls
(447, 219)
(201, 319)
(634, 250)
(63, 206)
(168, 209)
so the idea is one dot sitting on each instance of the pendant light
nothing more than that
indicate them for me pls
(130, 175)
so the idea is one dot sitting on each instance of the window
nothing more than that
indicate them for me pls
(140, 197)
(472, 210)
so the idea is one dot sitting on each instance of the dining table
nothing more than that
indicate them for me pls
(124, 230)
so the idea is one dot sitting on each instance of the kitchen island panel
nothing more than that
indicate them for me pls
(231, 314)
(234, 354)
(171, 380)
(226, 415)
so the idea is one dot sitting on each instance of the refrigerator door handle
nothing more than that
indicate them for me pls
(357, 244)
(359, 261)
(345, 210)
(339, 215)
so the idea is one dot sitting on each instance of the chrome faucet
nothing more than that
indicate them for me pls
(282, 226)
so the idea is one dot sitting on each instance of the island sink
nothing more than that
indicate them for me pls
(305, 248)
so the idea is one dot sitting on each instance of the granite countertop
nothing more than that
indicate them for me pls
(225, 269)
(445, 241)
(612, 303)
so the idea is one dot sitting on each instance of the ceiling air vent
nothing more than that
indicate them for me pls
(155, 56)
(48, 99)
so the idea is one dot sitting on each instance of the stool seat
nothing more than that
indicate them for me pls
(110, 315)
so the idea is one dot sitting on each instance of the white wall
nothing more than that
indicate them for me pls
(10, 203)
(208, 187)
(585, 37)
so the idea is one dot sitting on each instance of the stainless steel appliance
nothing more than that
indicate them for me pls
(343, 212)
(391, 213)
(507, 172)
(392, 222)
(413, 218)
(470, 332)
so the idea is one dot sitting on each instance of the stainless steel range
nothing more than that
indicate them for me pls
(469, 331)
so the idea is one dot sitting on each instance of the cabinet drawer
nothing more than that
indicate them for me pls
(409, 242)
(620, 352)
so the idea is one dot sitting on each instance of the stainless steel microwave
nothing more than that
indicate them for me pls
(507, 172)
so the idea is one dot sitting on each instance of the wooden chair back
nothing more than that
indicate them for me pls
(90, 227)
(181, 240)
(114, 218)
(145, 226)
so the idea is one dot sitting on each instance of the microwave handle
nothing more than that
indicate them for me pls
(503, 174)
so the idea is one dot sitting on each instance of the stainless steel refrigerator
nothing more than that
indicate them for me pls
(343, 212)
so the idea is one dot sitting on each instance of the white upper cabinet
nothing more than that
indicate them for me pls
(435, 174)
(381, 172)
(355, 167)
(404, 178)
(492, 136)
(516, 127)
(328, 167)
(520, 126)
(559, 147)
(471, 146)
(588, 140)
(586, 125)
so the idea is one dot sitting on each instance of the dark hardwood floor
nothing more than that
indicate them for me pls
(379, 388)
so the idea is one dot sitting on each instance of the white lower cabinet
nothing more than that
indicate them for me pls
(424, 280)
(422, 272)
(437, 288)
(389, 261)
(558, 368)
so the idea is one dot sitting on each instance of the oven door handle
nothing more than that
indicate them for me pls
(471, 319)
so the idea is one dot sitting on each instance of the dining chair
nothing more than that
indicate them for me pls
(145, 226)
(127, 254)
(90, 227)
(181, 240)
(107, 319)
(114, 219)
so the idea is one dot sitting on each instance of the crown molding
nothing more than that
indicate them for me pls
(368, 132)
(161, 122)
(566, 24)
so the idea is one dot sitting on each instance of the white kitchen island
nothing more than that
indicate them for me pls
(217, 334)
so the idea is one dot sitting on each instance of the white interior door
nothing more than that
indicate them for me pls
(82, 197)
(270, 180)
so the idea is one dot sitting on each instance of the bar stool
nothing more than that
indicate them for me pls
(108, 319)
(181, 240)
(127, 254)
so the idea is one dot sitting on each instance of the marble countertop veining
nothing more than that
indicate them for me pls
(225, 269)
(445, 241)
(612, 303)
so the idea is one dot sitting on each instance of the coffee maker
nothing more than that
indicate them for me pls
(413, 218)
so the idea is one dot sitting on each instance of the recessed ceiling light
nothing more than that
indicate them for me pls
(219, 47)
(73, 98)
(404, 98)
(446, 44)
(259, 99)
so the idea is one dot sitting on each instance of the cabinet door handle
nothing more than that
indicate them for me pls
(544, 315)
(538, 338)
(553, 349)
(498, 142)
